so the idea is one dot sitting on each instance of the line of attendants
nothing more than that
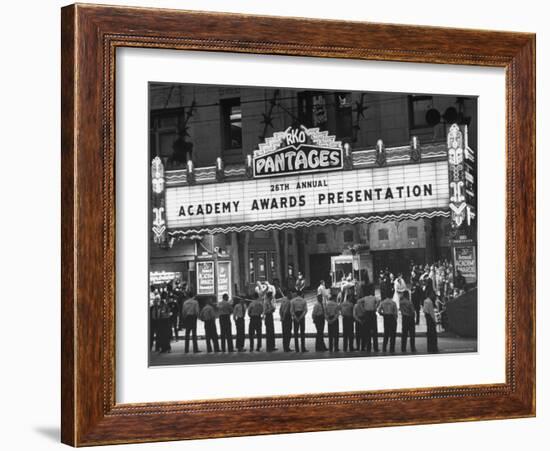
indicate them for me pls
(359, 323)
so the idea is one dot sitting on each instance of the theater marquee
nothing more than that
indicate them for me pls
(407, 191)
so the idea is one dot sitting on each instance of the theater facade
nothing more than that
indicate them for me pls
(253, 184)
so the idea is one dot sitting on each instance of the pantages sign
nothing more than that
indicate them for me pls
(298, 150)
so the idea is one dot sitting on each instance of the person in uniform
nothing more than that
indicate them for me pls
(360, 317)
(388, 310)
(370, 304)
(189, 313)
(346, 310)
(208, 316)
(407, 322)
(300, 284)
(255, 313)
(269, 308)
(429, 313)
(332, 311)
(238, 315)
(298, 310)
(286, 321)
(225, 309)
(318, 316)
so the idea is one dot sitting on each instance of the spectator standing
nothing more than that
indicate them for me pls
(407, 322)
(225, 309)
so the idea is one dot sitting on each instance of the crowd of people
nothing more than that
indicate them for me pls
(428, 290)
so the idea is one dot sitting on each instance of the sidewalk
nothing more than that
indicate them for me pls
(310, 297)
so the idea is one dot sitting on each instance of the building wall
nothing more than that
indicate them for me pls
(374, 116)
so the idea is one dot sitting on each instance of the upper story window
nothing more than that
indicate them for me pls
(348, 236)
(344, 121)
(232, 125)
(412, 232)
(419, 106)
(383, 235)
(321, 238)
(312, 109)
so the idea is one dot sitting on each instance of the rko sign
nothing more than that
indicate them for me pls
(296, 151)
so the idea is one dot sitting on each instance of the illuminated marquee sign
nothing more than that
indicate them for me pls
(297, 151)
(309, 199)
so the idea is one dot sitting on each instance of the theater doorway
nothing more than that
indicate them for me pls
(319, 269)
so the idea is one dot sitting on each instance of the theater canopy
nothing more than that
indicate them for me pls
(301, 178)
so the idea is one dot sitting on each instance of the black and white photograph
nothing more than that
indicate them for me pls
(291, 224)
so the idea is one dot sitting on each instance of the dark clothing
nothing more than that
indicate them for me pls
(407, 330)
(190, 325)
(226, 332)
(239, 325)
(211, 334)
(255, 331)
(320, 335)
(390, 329)
(269, 332)
(300, 332)
(163, 334)
(287, 332)
(174, 310)
(347, 324)
(371, 332)
(360, 335)
(431, 334)
(333, 336)
(417, 302)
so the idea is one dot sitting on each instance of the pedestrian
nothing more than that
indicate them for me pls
(189, 314)
(323, 291)
(360, 317)
(298, 310)
(269, 308)
(178, 293)
(332, 311)
(388, 310)
(318, 316)
(416, 295)
(154, 317)
(208, 316)
(255, 313)
(225, 309)
(346, 310)
(300, 284)
(174, 314)
(163, 328)
(370, 304)
(238, 315)
(286, 321)
(400, 287)
(407, 322)
(429, 313)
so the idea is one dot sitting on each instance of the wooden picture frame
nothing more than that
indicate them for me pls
(90, 412)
